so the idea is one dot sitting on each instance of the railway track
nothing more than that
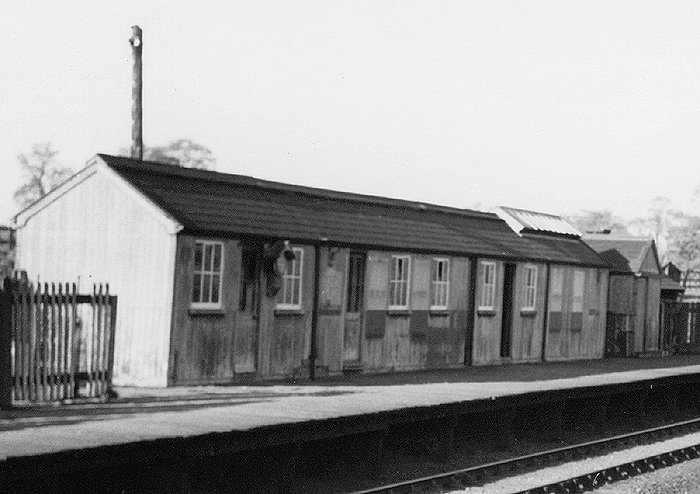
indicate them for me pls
(481, 474)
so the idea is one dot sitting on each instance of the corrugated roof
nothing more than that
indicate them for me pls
(218, 203)
(537, 222)
(625, 254)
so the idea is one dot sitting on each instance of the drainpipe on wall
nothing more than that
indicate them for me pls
(546, 314)
(313, 350)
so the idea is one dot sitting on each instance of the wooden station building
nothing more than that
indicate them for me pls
(222, 277)
(635, 293)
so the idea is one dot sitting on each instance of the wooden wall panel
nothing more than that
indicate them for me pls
(100, 233)
(570, 344)
(203, 341)
(652, 320)
(621, 296)
(419, 338)
(528, 326)
(285, 336)
(487, 326)
(640, 300)
(375, 351)
(332, 295)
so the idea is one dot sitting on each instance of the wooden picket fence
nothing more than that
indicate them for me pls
(55, 344)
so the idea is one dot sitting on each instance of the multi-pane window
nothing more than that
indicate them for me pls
(399, 282)
(577, 301)
(206, 281)
(530, 288)
(290, 296)
(488, 293)
(440, 281)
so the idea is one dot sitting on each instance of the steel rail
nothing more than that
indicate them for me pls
(477, 475)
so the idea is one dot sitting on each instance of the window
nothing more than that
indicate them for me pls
(399, 282)
(440, 284)
(530, 288)
(488, 294)
(206, 282)
(290, 297)
(577, 301)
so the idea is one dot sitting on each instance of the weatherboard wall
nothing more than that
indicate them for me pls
(99, 231)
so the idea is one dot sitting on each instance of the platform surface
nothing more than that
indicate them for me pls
(143, 414)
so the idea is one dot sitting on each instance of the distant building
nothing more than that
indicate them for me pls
(635, 293)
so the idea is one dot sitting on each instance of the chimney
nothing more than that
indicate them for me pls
(136, 41)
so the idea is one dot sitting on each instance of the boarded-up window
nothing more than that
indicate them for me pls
(577, 300)
(356, 281)
(206, 279)
(530, 288)
(556, 302)
(290, 297)
(488, 293)
(440, 284)
(399, 283)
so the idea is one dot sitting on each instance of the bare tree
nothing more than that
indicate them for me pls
(42, 172)
(661, 218)
(182, 152)
(597, 221)
(684, 244)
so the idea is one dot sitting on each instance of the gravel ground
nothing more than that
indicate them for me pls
(566, 471)
(683, 478)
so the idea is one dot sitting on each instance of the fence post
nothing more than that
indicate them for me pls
(6, 345)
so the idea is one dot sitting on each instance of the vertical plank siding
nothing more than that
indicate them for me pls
(202, 345)
(60, 341)
(568, 342)
(70, 239)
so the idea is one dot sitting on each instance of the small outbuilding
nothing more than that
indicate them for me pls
(634, 296)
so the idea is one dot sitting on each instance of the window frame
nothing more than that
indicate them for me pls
(530, 290)
(436, 284)
(299, 279)
(209, 305)
(394, 282)
(488, 290)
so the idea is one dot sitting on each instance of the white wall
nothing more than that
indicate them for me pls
(101, 231)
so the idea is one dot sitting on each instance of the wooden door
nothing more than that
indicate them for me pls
(353, 314)
(246, 331)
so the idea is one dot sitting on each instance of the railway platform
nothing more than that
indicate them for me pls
(173, 436)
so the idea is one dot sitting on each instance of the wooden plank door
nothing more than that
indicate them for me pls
(246, 331)
(353, 314)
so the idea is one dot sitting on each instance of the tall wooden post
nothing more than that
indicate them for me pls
(5, 345)
(136, 41)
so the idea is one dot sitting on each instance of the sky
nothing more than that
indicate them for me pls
(555, 106)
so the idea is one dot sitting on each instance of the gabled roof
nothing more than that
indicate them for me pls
(626, 254)
(207, 202)
(524, 221)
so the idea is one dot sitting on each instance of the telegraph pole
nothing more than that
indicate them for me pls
(136, 41)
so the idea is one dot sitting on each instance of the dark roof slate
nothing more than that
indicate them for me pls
(226, 204)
